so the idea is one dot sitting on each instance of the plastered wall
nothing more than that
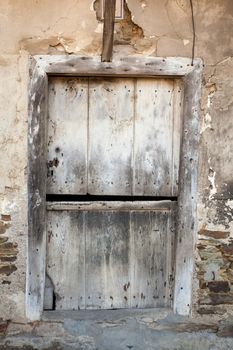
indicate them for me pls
(158, 28)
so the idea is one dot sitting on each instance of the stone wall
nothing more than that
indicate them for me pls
(159, 28)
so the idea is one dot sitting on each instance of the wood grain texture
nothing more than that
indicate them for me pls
(153, 143)
(124, 259)
(114, 136)
(37, 107)
(67, 135)
(164, 205)
(108, 31)
(129, 66)
(150, 264)
(66, 258)
(110, 147)
(178, 117)
(107, 260)
(187, 204)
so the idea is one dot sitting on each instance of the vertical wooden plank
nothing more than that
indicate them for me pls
(66, 258)
(107, 260)
(178, 94)
(67, 135)
(187, 203)
(170, 255)
(110, 136)
(37, 108)
(149, 269)
(108, 32)
(153, 152)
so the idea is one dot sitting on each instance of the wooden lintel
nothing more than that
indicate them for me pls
(108, 32)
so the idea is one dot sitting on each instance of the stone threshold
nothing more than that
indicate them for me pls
(120, 329)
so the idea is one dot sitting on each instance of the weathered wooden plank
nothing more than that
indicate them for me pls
(107, 260)
(127, 258)
(153, 143)
(121, 66)
(108, 31)
(178, 95)
(170, 255)
(37, 108)
(66, 258)
(187, 204)
(111, 113)
(111, 205)
(67, 135)
(149, 269)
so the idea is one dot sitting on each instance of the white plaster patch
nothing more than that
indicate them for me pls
(211, 178)
(229, 203)
(207, 119)
(92, 6)
(99, 28)
(206, 123)
(143, 5)
(186, 42)
(19, 302)
(64, 44)
(8, 207)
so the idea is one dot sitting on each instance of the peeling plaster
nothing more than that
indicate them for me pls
(229, 203)
(212, 187)
(206, 124)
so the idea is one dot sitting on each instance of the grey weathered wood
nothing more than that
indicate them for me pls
(124, 257)
(37, 109)
(66, 258)
(122, 66)
(178, 95)
(107, 260)
(110, 146)
(133, 129)
(154, 149)
(150, 265)
(48, 294)
(108, 31)
(187, 212)
(111, 205)
(126, 66)
(67, 135)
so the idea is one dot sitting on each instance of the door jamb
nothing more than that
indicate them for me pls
(150, 67)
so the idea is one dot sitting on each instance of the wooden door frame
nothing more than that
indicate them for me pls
(40, 69)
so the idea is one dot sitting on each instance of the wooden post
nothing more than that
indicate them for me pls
(108, 32)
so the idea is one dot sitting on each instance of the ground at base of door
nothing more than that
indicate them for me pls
(154, 329)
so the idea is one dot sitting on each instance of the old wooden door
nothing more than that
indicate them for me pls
(113, 169)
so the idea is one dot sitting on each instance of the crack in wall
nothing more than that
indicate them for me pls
(127, 32)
